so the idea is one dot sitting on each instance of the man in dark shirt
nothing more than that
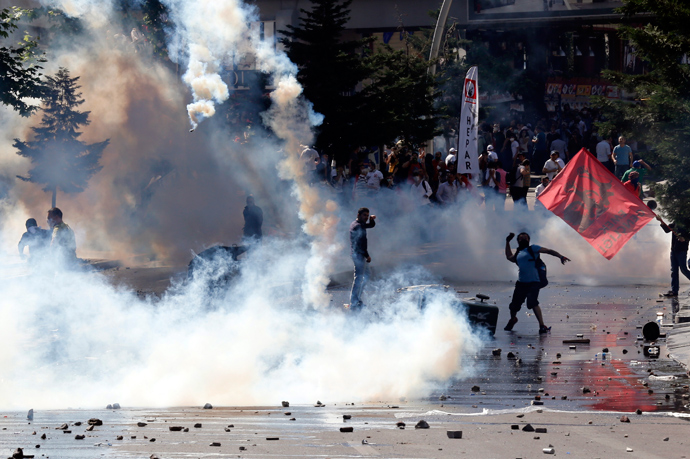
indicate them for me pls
(360, 255)
(679, 255)
(36, 239)
(253, 220)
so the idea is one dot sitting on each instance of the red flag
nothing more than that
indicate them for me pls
(590, 199)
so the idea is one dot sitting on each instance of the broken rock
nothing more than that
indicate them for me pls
(208, 406)
(175, 428)
(528, 428)
(285, 404)
(422, 425)
(79, 437)
(95, 422)
(454, 433)
(625, 419)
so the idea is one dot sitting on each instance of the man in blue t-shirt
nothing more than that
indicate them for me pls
(622, 157)
(528, 284)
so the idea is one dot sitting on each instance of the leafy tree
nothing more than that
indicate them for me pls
(661, 115)
(329, 68)
(58, 158)
(20, 76)
(399, 100)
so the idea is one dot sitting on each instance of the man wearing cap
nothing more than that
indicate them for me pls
(638, 166)
(622, 157)
(492, 155)
(36, 239)
(554, 165)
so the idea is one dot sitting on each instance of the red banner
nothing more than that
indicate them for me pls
(595, 203)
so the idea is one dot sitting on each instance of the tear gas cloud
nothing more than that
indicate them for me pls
(164, 193)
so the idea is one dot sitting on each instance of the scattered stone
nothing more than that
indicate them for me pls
(537, 402)
(625, 351)
(227, 429)
(133, 437)
(454, 433)
(666, 439)
(625, 419)
(95, 422)
(43, 437)
(116, 406)
(18, 453)
(287, 413)
(400, 425)
(175, 428)
(293, 419)
(549, 451)
(276, 438)
(79, 437)
(197, 425)
(208, 406)
(443, 398)
(109, 407)
(153, 456)
(62, 427)
(558, 355)
(586, 390)
(38, 446)
(347, 416)
(515, 427)
(628, 450)
(520, 416)
(215, 443)
(231, 426)
(186, 429)
(496, 352)
(638, 411)
(347, 429)
(510, 355)
(90, 428)
(422, 425)
(285, 404)
(67, 431)
(475, 389)
(152, 440)
(78, 423)
(540, 430)
(528, 428)
(33, 433)
(120, 437)
(141, 424)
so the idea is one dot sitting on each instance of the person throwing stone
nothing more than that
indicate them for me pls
(528, 283)
(360, 255)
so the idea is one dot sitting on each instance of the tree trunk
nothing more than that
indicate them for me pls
(54, 197)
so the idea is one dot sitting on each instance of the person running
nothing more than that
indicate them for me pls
(528, 284)
(360, 255)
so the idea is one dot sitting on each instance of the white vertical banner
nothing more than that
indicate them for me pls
(468, 158)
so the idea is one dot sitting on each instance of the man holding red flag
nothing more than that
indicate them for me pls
(589, 198)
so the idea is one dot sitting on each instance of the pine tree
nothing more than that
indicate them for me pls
(661, 115)
(20, 76)
(329, 68)
(58, 158)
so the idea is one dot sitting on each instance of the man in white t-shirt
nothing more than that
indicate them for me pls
(554, 165)
(514, 146)
(374, 178)
(539, 190)
(604, 153)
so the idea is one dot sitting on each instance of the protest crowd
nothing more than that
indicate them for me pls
(514, 155)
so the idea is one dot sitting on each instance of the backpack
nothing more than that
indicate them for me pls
(541, 268)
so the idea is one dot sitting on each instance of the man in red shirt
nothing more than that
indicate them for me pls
(634, 184)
